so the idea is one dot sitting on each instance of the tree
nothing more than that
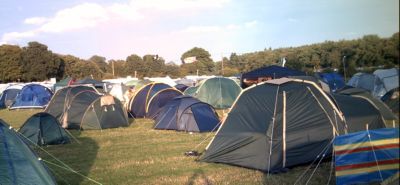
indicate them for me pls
(10, 65)
(101, 62)
(154, 65)
(135, 63)
(119, 67)
(203, 62)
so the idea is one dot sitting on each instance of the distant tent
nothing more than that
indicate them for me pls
(190, 91)
(159, 99)
(384, 110)
(181, 87)
(118, 90)
(391, 99)
(187, 82)
(389, 77)
(376, 85)
(275, 125)
(8, 96)
(316, 80)
(44, 129)
(18, 163)
(64, 82)
(266, 73)
(367, 156)
(99, 85)
(62, 99)
(185, 113)
(137, 83)
(138, 103)
(32, 96)
(334, 80)
(219, 92)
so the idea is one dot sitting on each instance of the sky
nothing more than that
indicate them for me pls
(118, 28)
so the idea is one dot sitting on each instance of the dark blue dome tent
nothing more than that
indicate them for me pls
(159, 100)
(267, 73)
(32, 96)
(185, 113)
(334, 80)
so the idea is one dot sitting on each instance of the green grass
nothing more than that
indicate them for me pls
(141, 155)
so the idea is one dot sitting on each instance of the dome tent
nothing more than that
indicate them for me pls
(276, 124)
(44, 129)
(159, 100)
(8, 96)
(32, 96)
(18, 163)
(185, 113)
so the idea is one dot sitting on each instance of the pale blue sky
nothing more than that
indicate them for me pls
(116, 29)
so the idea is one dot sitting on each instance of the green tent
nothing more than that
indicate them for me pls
(18, 163)
(190, 91)
(62, 83)
(219, 92)
(44, 129)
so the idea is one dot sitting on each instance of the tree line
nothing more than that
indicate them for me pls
(35, 62)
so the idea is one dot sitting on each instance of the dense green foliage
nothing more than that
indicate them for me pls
(36, 62)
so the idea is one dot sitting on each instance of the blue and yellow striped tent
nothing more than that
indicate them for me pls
(366, 156)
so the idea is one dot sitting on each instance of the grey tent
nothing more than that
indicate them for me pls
(44, 129)
(277, 124)
(18, 163)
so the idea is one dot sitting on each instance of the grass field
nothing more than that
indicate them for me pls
(141, 155)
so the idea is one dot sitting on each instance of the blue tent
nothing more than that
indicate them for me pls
(181, 87)
(18, 163)
(334, 80)
(185, 113)
(137, 104)
(265, 73)
(159, 100)
(366, 156)
(32, 96)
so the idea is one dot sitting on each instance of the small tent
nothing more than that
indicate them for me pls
(219, 92)
(391, 99)
(138, 103)
(266, 73)
(275, 125)
(367, 156)
(334, 80)
(44, 129)
(159, 100)
(185, 113)
(190, 91)
(8, 96)
(32, 96)
(18, 163)
(64, 82)
(181, 87)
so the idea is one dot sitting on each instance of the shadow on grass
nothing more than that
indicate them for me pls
(78, 156)
(199, 174)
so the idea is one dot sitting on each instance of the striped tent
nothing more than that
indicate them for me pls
(367, 156)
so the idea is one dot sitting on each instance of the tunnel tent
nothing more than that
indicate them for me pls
(18, 163)
(277, 124)
(32, 96)
(8, 96)
(159, 100)
(185, 113)
(62, 98)
(137, 104)
(44, 129)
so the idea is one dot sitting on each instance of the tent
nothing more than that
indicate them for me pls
(391, 99)
(185, 113)
(32, 96)
(190, 91)
(387, 115)
(18, 163)
(389, 77)
(64, 82)
(118, 90)
(99, 85)
(44, 129)
(367, 156)
(334, 80)
(181, 87)
(266, 73)
(138, 103)
(159, 100)
(219, 92)
(62, 99)
(369, 82)
(8, 96)
(275, 125)
(104, 112)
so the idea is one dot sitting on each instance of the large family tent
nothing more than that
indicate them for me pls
(277, 124)
(159, 100)
(62, 99)
(18, 163)
(138, 103)
(64, 82)
(44, 129)
(8, 96)
(32, 96)
(219, 92)
(367, 156)
(185, 113)
(389, 117)
(376, 85)
(266, 73)
(334, 80)
(104, 112)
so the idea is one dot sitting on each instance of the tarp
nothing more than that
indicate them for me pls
(18, 163)
(366, 156)
(269, 72)
(275, 125)
(32, 96)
